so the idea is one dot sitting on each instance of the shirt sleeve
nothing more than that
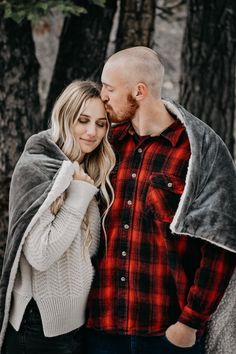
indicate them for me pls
(211, 280)
(52, 234)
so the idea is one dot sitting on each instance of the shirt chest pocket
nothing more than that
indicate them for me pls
(163, 195)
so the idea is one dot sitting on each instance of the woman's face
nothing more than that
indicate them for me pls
(91, 126)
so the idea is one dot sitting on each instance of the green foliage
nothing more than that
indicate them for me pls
(99, 2)
(33, 10)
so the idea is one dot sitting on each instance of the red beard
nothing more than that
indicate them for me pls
(125, 114)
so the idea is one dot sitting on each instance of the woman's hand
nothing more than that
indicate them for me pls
(80, 175)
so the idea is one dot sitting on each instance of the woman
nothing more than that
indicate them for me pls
(55, 224)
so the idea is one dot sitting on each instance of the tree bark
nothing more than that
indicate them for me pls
(82, 49)
(207, 84)
(19, 105)
(136, 23)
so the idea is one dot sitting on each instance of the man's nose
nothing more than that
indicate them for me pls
(104, 95)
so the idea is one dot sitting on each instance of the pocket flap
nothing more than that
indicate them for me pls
(169, 182)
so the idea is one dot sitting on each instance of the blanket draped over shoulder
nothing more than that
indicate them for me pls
(206, 209)
(33, 184)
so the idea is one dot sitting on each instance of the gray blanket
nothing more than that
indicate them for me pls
(33, 178)
(207, 206)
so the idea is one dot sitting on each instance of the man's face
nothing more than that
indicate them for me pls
(119, 102)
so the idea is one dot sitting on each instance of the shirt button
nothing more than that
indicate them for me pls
(123, 253)
(169, 184)
(140, 150)
(129, 202)
(123, 279)
(133, 175)
(126, 226)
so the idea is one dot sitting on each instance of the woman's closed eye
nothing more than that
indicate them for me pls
(101, 123)
(83, 120)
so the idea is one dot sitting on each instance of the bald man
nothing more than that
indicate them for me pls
(168, 257)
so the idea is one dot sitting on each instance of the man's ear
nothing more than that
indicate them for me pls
(141, 91)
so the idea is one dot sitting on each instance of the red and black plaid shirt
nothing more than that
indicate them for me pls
(151, 278)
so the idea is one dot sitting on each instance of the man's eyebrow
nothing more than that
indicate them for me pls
(107, 85)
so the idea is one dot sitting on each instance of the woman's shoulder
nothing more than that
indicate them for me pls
(38, 141)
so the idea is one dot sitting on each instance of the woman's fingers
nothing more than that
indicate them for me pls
(81, 175)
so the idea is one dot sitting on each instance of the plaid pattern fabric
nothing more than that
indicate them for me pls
(150, 278)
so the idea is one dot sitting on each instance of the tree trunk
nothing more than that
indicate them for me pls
(207, 85)
(82, 49)
(19, 105)
(136, 23)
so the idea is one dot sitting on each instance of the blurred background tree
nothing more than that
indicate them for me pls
(207, 84)
(19, 104)
(136, 23)
(89, 31)
(82, 48)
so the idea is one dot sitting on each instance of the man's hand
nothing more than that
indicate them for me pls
(181, 335)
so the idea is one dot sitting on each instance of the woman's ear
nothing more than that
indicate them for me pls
(141, 91)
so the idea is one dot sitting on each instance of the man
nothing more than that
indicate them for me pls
(170, 245)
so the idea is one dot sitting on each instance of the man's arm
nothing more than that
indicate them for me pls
(210, 282)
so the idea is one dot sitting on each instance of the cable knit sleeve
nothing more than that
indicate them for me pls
(52, 235)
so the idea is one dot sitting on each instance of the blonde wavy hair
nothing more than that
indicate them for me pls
(97, 164)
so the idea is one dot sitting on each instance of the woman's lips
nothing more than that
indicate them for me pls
(88, 141)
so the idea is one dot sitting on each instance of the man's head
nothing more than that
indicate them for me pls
(129, 77)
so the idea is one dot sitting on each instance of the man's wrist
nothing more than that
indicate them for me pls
(185, 327)
(192, 318)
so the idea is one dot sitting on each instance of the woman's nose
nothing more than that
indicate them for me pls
(91, 130)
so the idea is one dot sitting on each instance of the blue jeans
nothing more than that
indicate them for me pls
(31, 340)
(99, 342)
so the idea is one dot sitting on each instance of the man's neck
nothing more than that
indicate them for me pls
(152, 119)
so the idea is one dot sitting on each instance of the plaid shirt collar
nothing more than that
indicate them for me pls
(171, 133)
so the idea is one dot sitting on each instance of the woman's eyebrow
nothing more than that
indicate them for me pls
(87, 116)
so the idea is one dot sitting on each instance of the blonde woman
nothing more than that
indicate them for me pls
(55, 225)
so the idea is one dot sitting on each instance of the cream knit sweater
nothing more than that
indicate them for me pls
(55, 267)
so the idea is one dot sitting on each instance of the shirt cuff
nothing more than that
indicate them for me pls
(79, 195)
(193, 319)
